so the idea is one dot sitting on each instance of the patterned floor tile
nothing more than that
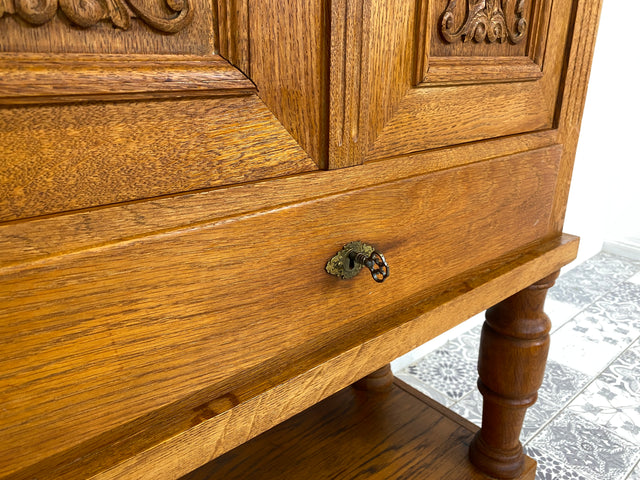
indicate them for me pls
(588, 449)
(470, 407)
(587, 282)
(624, 373)
(622, 306)
(603, 270)
(550, 468)
(446, 370)
(466, 345)
(591, 340)
(613, 399)
(560, 312)
(538, 415)
(561, 383)
(611, 408)
(635, 474)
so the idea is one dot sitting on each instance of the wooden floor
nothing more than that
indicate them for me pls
(354, 434)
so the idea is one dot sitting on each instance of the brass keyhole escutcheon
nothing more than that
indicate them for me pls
(348, 262)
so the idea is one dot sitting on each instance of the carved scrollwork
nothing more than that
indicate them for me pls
(485, 21)
(86, 13)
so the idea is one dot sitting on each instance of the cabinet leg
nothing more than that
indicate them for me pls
(513, 355)
(379, 381)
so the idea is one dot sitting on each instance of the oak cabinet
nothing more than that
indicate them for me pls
(176, 174)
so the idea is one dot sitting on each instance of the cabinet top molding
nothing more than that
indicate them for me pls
(485, 20)
(86, 13)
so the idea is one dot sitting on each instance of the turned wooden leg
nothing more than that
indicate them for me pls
(379, 381)
(513, 354)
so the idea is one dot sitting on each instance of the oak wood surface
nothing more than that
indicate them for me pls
(357, 94)
(439, 47)
(153, 316)
(357, 434)
(103, 35)
(207, 425)
(511, 363)
(39, 238)
(222, 294)
(233, 32)
(113, 152)
(405, 119)
(41, 78)
(472, 61)
(289, 64)
(583, 39)
(349, 77)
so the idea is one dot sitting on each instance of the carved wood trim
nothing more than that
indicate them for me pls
(86, 13)
(476, 70)
(63, 78)
(485, 21)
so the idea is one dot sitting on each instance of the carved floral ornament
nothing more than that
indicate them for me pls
(485, 21)
(85, 13)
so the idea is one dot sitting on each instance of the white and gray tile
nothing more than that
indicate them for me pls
(424, 387)
(550, 468)
(561, 383)
(635, 474)
(586, 283)
(447, 370)
(587, 448)
(590, 341)
(613, 399)
(614, 409)
(622, 306)
(470, 407)
(624, 373)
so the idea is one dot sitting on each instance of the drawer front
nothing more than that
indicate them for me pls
(95, 339)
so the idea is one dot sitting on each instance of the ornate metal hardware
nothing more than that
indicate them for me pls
(348, 262)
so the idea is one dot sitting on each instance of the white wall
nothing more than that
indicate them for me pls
(604, 201)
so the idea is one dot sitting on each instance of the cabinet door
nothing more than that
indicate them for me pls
(357, 80)
(105, 102)
(444, 72)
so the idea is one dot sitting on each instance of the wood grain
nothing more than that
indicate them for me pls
(354, 434)
(61, 36)
(119, 13)
(348, 110)
(65, 78)
(513, 355)
(233, 32)
(478, 70)
(403, 119)
(165, 310)
(114, 152)
(435, 117)
(439, 47)
(573, 96)
(289, 64)
(34, 239)
(307, 381)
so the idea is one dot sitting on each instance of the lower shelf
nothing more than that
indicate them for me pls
(355, 434)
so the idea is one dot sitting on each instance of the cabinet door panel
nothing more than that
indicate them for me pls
(438, 73)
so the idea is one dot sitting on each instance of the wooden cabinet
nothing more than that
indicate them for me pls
(176, 174)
